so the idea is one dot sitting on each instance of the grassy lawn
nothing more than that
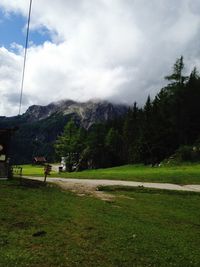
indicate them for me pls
(139, 228)
(183, 174)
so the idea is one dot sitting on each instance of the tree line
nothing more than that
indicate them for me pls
(148, 135)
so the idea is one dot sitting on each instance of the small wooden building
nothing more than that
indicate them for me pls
(5, 138)
(39, 160)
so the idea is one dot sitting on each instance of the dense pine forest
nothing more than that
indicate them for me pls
(169, 124)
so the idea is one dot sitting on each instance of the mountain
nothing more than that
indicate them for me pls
(39, 126)
(86, 114)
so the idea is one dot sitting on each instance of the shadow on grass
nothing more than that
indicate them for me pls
(17, 181)
(141, 189)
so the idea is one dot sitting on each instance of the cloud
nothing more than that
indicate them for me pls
(110, 49)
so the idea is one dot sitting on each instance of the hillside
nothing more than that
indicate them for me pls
(39, 126)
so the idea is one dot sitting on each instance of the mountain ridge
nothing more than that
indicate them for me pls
(86, 113)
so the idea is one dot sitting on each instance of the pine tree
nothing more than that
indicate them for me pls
(130, 134)
(177, 77)
(68, 144)
(113, 144)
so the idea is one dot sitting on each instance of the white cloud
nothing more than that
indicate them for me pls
(110, 49)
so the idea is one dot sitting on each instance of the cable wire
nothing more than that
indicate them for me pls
(25, 56)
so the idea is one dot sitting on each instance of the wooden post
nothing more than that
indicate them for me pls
(47, 171)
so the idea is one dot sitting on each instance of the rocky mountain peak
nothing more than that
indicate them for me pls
(87, 113)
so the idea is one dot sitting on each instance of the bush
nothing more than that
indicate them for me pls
(188, 153)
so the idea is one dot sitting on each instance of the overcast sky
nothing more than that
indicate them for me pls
(118, 50)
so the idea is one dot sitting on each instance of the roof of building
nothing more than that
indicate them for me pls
(39, 159)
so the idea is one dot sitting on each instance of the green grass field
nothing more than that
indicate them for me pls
(182, 174)
(139, 228)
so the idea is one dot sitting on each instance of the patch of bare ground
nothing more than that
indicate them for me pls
(85, 190)
(126, 197)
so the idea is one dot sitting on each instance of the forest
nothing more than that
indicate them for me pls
(165, 126)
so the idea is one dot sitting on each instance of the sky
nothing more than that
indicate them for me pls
(115, 50)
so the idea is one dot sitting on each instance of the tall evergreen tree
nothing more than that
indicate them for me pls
(68, 144)
(114, 147)
(130, 134)
(177, 77)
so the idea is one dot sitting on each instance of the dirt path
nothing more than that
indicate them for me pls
(84, 187)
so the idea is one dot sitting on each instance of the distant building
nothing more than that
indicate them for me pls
(39, 160)
(5, 138)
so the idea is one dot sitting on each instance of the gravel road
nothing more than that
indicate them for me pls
(90, 186)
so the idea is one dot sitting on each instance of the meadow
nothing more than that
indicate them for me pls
(44, 226)
(179, 174)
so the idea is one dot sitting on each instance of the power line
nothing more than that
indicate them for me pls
(25, 55)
